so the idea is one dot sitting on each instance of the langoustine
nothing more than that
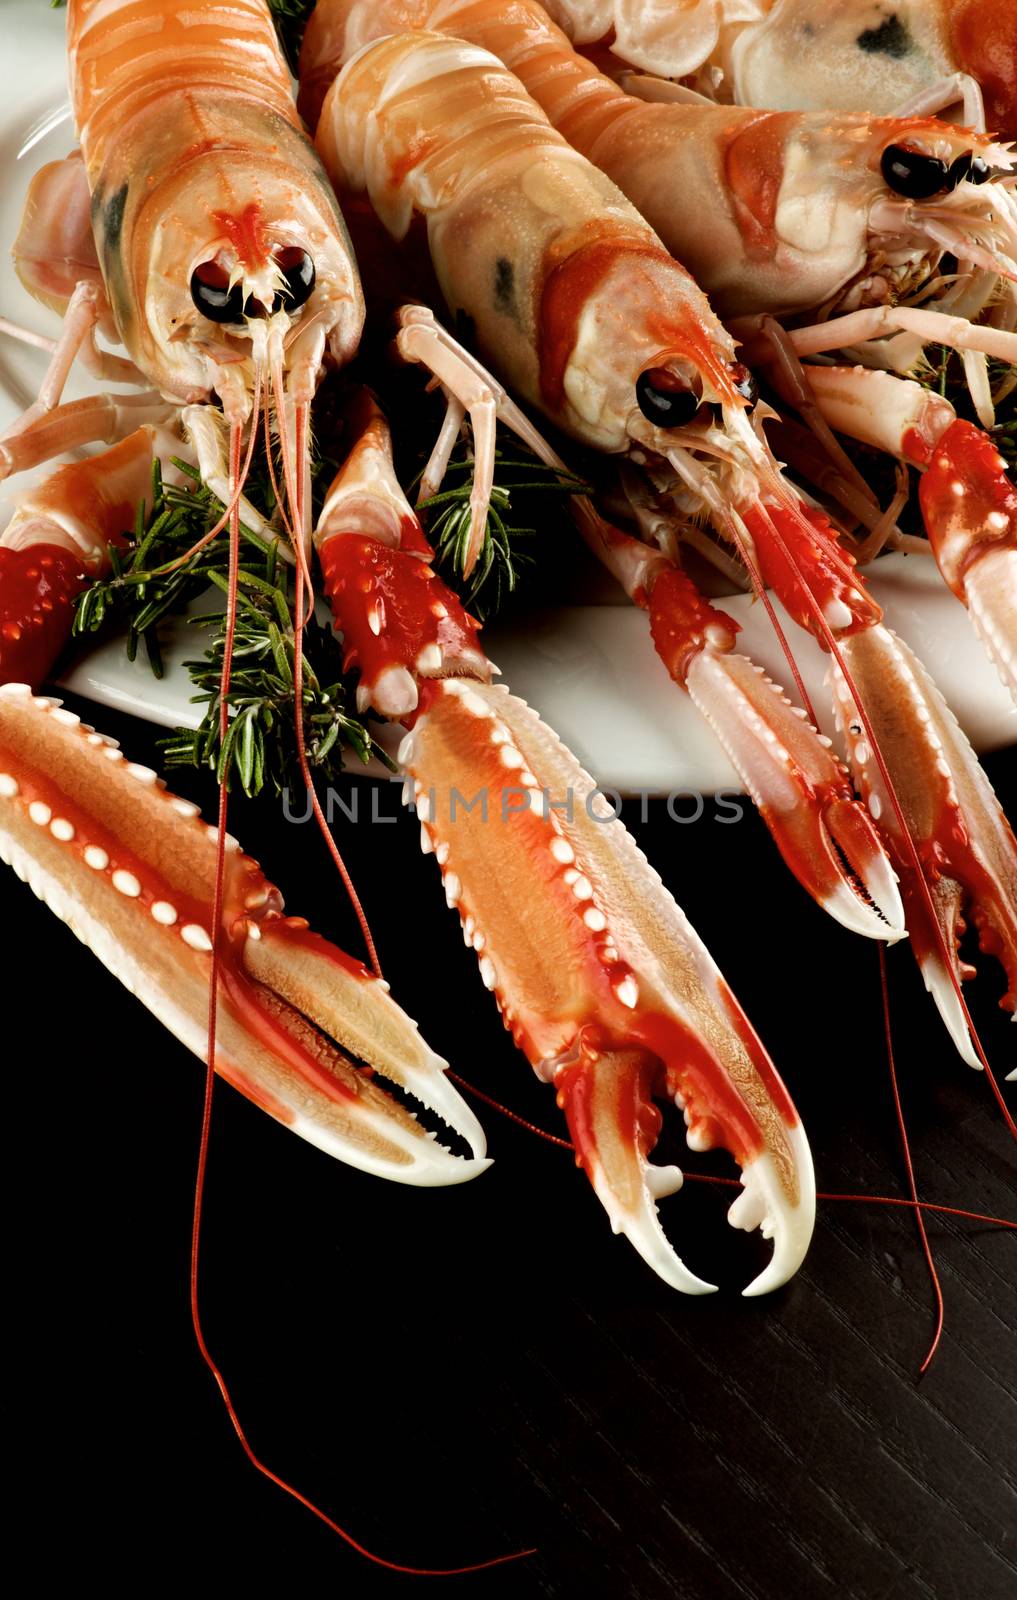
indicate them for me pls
(621, 291)
(826, 222)
(207, 242)
(801, 790)
(245, 304)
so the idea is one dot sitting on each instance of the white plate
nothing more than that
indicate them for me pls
(590, 670)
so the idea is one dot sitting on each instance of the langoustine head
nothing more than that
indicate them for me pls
(217, 232)
(925, 188)
(644, 367)
(210, 261)
(808, 211)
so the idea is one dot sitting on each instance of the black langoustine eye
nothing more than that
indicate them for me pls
(664, 400)
(211, 293)
(297, 269)
(912, 174)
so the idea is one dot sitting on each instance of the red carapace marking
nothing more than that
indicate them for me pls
(416, 150)
(246, 233)
(984, 39)
(754, 163)
(38, 589)
(570, 285)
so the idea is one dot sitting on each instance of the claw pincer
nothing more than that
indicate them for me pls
(965, 848)
(131, 869)
(601, 980)
(951, 844)
(800, 789)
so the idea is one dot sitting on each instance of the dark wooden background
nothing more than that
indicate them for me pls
(457, 1373)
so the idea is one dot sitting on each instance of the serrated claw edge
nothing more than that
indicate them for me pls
(130, 868)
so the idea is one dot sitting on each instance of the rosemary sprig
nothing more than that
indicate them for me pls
(525, 485)
(260, 746)
(140, 592)
(149, 583)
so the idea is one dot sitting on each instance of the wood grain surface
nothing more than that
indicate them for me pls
(459, 1373)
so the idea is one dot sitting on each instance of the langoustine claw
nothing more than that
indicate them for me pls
(62, 530)
(399, 621)
(130, 868)
(606, 988)
(799, 787)
(966, 852)
(952, 846)
(602, 981)
(57, 541)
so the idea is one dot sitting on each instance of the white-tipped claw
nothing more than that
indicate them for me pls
(295, 1015)
(801, 792)
(848, 908)
(640, 1224)
(937, 981)
(763, 1204)
(376, 1132)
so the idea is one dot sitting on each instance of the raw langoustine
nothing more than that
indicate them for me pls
(602, 330)
(246, 302)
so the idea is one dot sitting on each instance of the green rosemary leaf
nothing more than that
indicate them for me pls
(154, 650)
(280, 655)
(246, 757)
(524, 483)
